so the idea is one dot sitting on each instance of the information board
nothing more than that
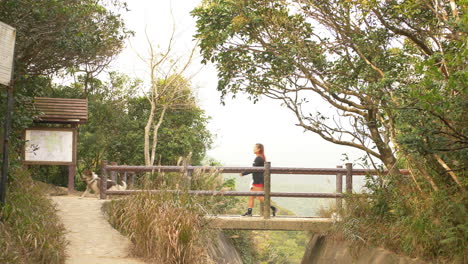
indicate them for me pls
(49, 146)
(7, 49)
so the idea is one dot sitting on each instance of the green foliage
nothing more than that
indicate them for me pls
(117, 116)
(267, 246)
(203, 179)
(286, 247)
(30, 229)
(55, 35)
(52, 38)
(244, 243)
(395, 216)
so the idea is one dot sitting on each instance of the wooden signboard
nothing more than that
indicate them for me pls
(50, 146)
(7, 48)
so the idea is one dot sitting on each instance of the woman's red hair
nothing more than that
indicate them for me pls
(261, 151)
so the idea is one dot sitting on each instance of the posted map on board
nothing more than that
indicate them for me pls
(48, 146)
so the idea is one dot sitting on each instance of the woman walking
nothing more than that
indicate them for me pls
(257, 184)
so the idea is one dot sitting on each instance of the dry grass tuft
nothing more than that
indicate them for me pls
(165, 227)
(170, 227)
(29, 226)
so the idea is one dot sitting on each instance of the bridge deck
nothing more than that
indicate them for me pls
(315, 224)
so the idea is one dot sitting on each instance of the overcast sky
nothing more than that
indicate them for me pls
(239, 124)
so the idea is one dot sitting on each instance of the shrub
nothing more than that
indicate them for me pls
(430, 225)
(29, 226)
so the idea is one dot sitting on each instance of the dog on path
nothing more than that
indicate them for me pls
(93, 183)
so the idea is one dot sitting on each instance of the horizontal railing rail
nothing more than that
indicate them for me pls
(348, 172)
(273, 170)
(232, 193)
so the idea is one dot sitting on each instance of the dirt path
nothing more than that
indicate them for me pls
(92, 239)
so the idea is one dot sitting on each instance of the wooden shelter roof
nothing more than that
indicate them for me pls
(61, 110)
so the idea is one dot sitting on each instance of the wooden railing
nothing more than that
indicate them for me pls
(339, 172)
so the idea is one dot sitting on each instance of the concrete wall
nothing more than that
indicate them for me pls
(224, 252)
(321, 250)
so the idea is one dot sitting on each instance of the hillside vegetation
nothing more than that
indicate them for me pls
(30, 229)
(393, 72)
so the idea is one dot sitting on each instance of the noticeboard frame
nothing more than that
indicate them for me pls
(45, 162)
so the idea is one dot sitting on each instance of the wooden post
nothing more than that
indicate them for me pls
(72, 168)
(189, 179)
(187, 176)
(339, 188)
(71, 178)
(267, 190)
(132, 180)
(184, 183)
(349, 177)
(113, 174)
(124, 177)
(102, 192)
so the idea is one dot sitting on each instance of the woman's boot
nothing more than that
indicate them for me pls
(248, 213)
(274, 210)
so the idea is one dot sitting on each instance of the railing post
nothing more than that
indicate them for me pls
(339, 188)
(132, 180)
(113, 174)
(349, 177)
(186, 175)
(124, 177)
(102, 192)
(267, 190)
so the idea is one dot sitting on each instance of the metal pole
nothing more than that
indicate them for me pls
(267, 190)
(102, 191)
(349, 177)
(339, 188)
(6, 145)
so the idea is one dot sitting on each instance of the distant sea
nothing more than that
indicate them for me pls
(300, 183)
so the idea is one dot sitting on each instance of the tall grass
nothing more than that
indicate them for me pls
(30, 231)
(170, 227)
(164, 227)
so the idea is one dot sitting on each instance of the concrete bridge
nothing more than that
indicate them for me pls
(283, 223)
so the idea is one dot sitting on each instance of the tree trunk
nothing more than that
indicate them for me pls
(148, 127)
(155, 135)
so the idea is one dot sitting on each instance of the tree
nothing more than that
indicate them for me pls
(169, 88)
(116, 121)
(54, 37)
(357, 56)
(57, 35)
(395, 71)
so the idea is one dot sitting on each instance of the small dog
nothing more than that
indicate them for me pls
(93, 182)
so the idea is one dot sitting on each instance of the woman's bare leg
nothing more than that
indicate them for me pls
(251, 202)
(260, 198)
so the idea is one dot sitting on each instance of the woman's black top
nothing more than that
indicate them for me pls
(257, 176)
